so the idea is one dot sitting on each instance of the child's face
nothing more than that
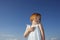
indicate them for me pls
(36, 19)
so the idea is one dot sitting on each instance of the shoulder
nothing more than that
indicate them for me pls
(40, 24)
(27, 26)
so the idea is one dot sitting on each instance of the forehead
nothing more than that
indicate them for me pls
(36, 17)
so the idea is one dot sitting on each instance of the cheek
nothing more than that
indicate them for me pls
(37, 19)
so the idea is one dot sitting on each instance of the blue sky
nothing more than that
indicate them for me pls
(14, 15)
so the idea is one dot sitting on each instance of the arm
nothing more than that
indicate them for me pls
(28, 31)
(42, 32)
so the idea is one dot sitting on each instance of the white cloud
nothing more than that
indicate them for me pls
(54, 38)
(8, 37)
(11, 39)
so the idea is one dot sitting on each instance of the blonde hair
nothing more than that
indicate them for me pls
(35, 15)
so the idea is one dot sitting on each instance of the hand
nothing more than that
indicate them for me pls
(30, 29)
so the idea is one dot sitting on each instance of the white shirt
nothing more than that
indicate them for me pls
(34, 35)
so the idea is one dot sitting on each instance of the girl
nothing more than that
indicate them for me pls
(35, 31)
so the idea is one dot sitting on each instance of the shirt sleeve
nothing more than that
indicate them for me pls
(27, 26)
